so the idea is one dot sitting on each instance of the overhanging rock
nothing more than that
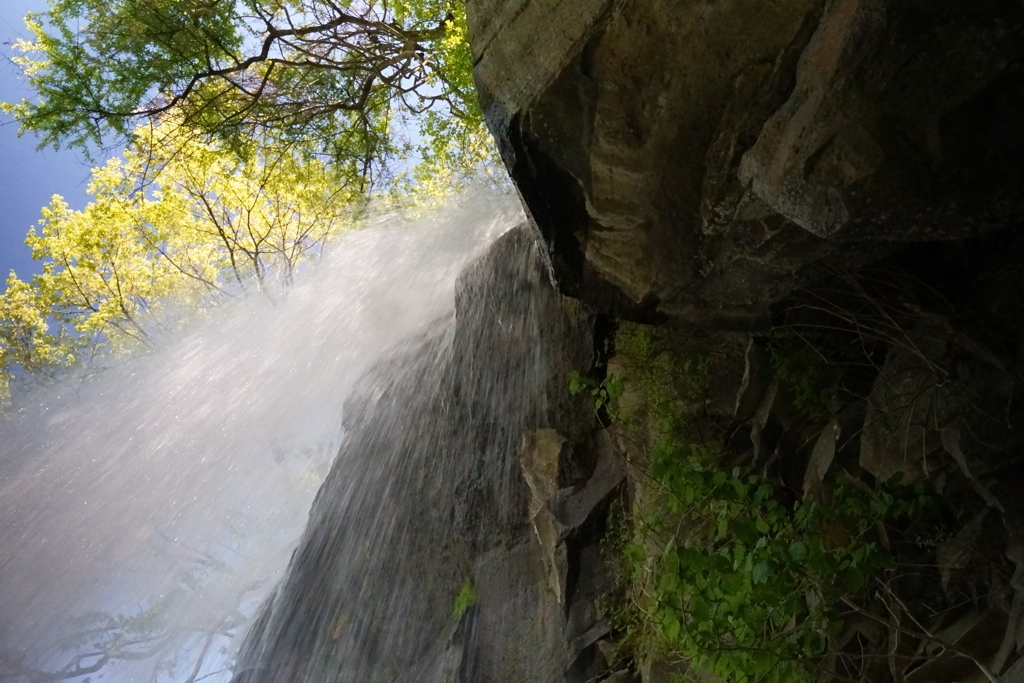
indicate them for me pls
(696, 160)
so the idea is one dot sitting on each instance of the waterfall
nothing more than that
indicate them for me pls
(426, 496)
(152, 511)
(427, 499)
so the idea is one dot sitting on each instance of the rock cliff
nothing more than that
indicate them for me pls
(697, 160)
(819, 205)
(445, 544)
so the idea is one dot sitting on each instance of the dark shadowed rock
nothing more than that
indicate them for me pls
(693, 160)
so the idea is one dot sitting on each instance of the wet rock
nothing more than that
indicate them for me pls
(439, 497)
(959, 551)
(447, 663)
(559, 512)
(518, 634)
(760, 418)
(539, 459)
(727, 377)
(821, 459)
(975, 635)
(539, 600)
(586, 624)
(1015, 674)
(574, 507)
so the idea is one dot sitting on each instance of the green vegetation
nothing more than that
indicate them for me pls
(255, 132)
(355, 81)
(810, 376)
(604, 393)
(718, 565)
(465, 599)
(175, 227)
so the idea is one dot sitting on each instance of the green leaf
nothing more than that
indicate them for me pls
(615, 386)
(465, 599)
(692, 559)
(103, 66)
(855, 580)
(670, 623)
(759, 573)
(173, 249)
(731, 583)
(747, 531)
(798, 551)
(879, 559)
(635, 552)
(764, 492)
(739, 554)
(671, 562)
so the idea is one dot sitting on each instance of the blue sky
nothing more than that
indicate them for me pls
(28, 178)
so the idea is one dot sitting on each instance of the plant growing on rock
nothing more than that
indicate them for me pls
(465, 599)
(718, 566)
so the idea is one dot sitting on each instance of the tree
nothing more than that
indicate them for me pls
(26, 342)
(253, 127)
(346, 76)
(170, 634)
(175, 226)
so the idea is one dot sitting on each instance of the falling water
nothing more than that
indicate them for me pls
(170, 492)
(427, 495)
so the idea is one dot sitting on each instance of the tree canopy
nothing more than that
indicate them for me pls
(253, 127)
(252, 132)
(346, 76)
(176, 224)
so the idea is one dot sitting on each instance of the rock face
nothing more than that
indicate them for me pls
(428, 493)
(696, 160)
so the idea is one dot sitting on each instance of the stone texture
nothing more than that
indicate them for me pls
(465, 458)
(695, 160)
(427, 491)
(539, 459)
